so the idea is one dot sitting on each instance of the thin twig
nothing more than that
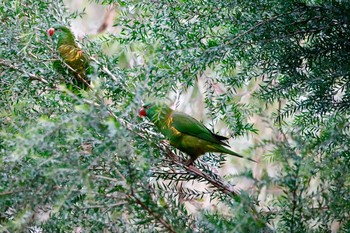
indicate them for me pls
(103, 206)
(31, 76)
(106, 70)
(108, 18)
(78, 75)
(156, 215)
(219, 184)
(107, 178)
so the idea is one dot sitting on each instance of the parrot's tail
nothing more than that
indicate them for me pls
(230, 152)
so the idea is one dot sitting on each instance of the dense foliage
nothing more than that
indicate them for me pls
(89, 163)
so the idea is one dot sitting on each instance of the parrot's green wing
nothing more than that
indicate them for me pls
(188, 125)
(74, 57)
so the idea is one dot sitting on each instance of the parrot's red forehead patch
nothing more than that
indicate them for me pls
(51, 31)
(142, 112)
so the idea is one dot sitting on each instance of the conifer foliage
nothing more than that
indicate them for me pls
(88, 163)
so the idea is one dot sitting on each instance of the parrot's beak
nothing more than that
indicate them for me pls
(51, 31)
(142, 112)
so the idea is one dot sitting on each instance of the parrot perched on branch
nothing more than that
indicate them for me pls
(185, 133)
(71, 54)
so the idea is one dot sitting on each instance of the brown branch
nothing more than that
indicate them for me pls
(108, 18)
(219, 184)
(84, 81)
(103, 206)
(156, 215)
(9, 192)
(279, 119)
(31, 76)
(138, 201)
(106, 70)
(78, 76)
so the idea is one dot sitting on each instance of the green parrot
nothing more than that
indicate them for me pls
(71, 55)
(185, 133)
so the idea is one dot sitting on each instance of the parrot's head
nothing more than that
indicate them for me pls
(146, 110)
(63, 33)
(154, 111)
(58, 30)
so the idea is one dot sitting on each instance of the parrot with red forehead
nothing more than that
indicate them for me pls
(71, 55)
(185, 133)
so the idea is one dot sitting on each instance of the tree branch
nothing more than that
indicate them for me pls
(108, 18)
(103, 206)
(156, 215)
(31, 76)
(219, 184)
(105, 69)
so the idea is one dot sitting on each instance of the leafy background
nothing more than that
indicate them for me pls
(274, 75)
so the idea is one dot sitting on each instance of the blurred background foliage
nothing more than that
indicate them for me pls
(274, 75)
